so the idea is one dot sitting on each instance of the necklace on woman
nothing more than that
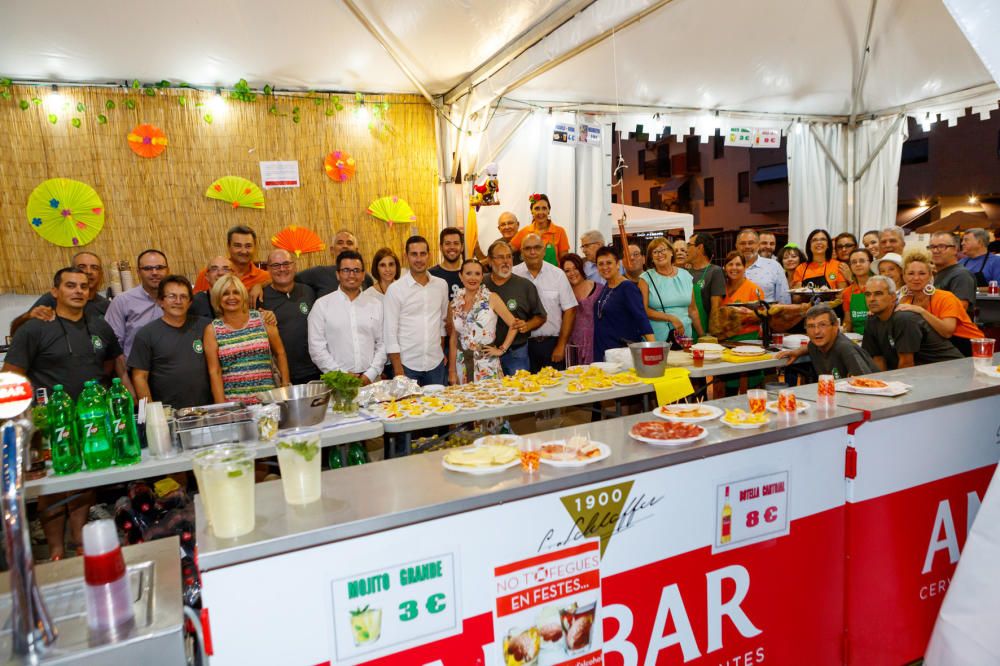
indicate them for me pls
(603, 299)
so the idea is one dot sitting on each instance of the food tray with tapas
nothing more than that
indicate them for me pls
(482, 459)
(576, 451)
(744, 420)
(665, 433)
(688, 413)
(869, 386)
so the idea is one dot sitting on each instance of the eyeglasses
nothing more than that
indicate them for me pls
(661, 252)
(176, 298)
(281, 265)
(150, 269)
(351, 271)
(846, 246)
(940, 248)
(818, 326)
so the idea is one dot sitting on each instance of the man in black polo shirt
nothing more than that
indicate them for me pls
(948, 273)
(523, 302)
(899, 339)
(291, 303)
(201, 304)
(168, 358)
(70, 348)
(323, 279)
(831, 352)
(91, 266)
(452, 244)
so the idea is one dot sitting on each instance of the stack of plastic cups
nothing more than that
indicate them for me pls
(108, 594)
(158, 432)
(825, 393)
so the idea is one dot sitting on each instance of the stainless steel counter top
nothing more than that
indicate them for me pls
(372, 498)
(934, 385)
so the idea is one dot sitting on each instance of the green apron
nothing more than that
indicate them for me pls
(699, 304)
(857, 310)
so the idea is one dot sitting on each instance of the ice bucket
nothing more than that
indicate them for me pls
(649, 358)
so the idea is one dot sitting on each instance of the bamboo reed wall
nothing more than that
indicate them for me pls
(160, 202)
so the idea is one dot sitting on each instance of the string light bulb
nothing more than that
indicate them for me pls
(54, 100)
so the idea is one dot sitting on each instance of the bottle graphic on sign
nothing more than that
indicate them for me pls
(727, 520)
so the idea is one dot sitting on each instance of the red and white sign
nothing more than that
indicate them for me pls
(767, 138)
(548, 607)
(751, 510)
(279, 174)
(15, 394)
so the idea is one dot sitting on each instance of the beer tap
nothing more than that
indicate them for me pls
(32, 630)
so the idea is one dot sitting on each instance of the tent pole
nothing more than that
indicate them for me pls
(456, 161)
(580, 48)
(381, 39)
(852, 211)
(514, 48)
(859, 83)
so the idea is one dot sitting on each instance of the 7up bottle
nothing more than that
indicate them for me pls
(123, 432)
(92, 421)
(63, 440)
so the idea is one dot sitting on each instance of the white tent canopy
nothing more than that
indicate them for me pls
(640, 220)
(701, 64)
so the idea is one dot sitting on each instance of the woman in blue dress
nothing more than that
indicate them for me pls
(619, 315)
(666, 292)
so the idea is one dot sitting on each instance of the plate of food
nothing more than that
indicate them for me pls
(748, 350)
(665, 433)
(482, 459)
(497, 440)
(744, 420)
(869, 386)
(988, 371)
(800, 406)
(625, 379)
(688, 413)
(577, 451)
(576, 386)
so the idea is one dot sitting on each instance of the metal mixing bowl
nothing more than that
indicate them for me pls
(301, 405)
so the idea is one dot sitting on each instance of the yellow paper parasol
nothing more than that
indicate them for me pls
(237, 191)
(65, 212)
(391, 210)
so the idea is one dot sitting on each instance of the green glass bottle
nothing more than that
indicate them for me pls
(356, 454)
(92, 422)
(124, 435)
(63, 440)
(333, 459)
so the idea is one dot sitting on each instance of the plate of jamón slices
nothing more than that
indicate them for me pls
(688, 413)
(665, 433)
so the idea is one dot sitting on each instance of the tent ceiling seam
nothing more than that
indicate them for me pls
(826, 151)
(514, 48)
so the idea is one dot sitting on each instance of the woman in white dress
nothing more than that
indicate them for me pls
(473, 311)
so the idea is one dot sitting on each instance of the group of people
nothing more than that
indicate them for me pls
(526, 303)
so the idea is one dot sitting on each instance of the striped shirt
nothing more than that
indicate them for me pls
(245, 357)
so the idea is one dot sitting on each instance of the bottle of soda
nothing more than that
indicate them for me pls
(124, 435)
(131, 528)
(39, 436)
(92, 421)
(63, 439)
(356, 454)
(333, 458)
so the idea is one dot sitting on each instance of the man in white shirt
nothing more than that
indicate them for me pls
(590, 242)
(547, 344)
(415, 307)
(345, 327)
(763, 272)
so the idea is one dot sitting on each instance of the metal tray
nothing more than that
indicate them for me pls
(223, 433)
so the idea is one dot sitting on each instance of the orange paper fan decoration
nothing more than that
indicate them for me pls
(147, 140)
(339, 166)
(298, 240)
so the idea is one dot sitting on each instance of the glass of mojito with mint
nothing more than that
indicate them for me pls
(299, 462)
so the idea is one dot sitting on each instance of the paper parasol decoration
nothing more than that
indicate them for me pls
(339, 166)
(298, 240)
(147, 140)
(237, 191)
(392, 209)
(65, 212)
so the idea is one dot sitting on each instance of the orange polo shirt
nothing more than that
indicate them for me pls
(255, 276)
(946, 304)
(555, 236)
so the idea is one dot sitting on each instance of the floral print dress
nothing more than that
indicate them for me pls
(475, 329)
